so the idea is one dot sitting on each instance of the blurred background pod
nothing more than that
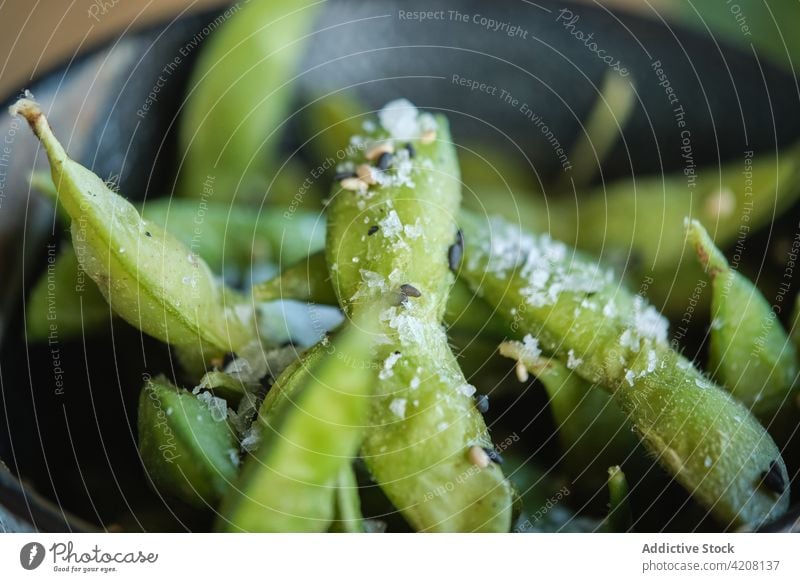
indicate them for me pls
(735, 98)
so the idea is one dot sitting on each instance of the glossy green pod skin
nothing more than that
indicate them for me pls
(751, 355)
(620, 517)
(64, 301)
(230, 239)
(424, 421)
(709, 441)
(591, 427)
(147, 276)
(223, 234)
(228, 236)
(348, 518)
(240, 96)
(312, 425)
(187, 450)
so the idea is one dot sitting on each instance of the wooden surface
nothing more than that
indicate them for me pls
(35, 35)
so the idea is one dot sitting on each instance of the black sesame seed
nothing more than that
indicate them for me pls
(147, 233)
(373, 229)
(481, 402)
(456, 251)
(493, 455)
(773, 479)
(384, 161)
(339, 176)
(411, 151)
(409, 290)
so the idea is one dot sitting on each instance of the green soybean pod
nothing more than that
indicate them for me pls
(646, 215)
(224, 234)
(751, 355)
(311, 430)
(620, 516)
(147, 276)
(591, 427)
(240, 95)
(66, 298)
(704, 437)
(185, 443)
(230, 236)
(348, 518)
(392, 233)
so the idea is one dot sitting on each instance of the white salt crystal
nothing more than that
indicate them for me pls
(398, 407)
(400, 119)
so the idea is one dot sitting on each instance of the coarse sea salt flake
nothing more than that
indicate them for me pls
(530, 348)
(651, 361)
(388, 364)
(467, 390)
(216, 406)
(401, 119)
(572, 361)
(391, 226)
(398, 407)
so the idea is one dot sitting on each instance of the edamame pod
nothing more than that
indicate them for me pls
(64, 300)
(236, 237)
(312, 424)
(646, 215)
(186, 445)
(348, 518)
(620, 517)
(709, 441)
(591, 427)
(148, 277)
(390, 227)
(226, 235)
(239, 98)
(751, 355)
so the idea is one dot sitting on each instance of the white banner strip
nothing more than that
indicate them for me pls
(382, 557)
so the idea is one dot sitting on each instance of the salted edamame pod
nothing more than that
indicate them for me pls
(185, 443)
(709, 441)
(390, 227)
(311, 428)
(147, 276)
(751, 355)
